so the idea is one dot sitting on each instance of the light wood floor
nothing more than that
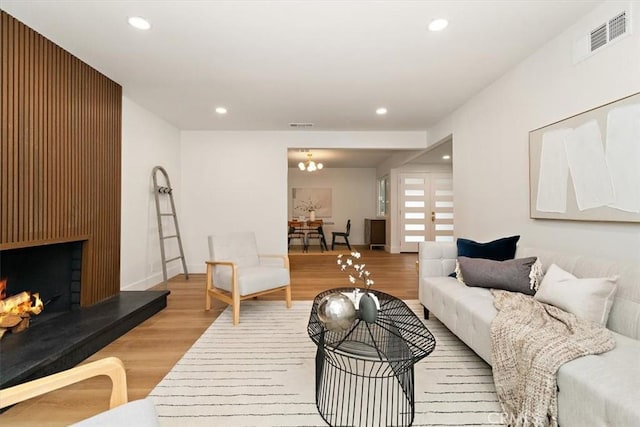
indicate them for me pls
(150, 350)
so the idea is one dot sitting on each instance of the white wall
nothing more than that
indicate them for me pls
(354, 194)
(234, 181)
(490, 133)
(147, 141)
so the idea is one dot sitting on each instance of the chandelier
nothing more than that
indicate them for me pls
(309, 165)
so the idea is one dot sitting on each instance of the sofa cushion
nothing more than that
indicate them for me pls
(511, 275)
(498, 250)
(587, 298)
(601, 390)
(465, 310)
(474, 316)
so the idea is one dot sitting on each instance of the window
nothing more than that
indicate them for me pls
(383, 196)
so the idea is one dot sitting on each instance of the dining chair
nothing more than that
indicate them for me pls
(296, 232)
(237, 272)
(343, 234)
(316, 232)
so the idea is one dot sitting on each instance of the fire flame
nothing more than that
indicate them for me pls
(21, 303)
(16, 310)
(33, 306)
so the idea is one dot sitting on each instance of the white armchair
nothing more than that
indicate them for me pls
(237, 272)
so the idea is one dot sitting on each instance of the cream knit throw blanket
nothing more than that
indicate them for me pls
(529, 343)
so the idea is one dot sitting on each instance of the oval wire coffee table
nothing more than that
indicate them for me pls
(364, 375)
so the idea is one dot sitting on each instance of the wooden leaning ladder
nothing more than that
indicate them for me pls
(166, 190)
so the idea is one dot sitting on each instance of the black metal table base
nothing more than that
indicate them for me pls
(365, 375)
(354, 392)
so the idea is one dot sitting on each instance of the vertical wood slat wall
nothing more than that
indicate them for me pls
(59, 155)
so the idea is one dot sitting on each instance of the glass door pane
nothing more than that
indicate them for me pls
(415, 206)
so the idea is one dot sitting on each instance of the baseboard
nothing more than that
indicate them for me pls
(393, 249)
(152, 280)
(197, 268)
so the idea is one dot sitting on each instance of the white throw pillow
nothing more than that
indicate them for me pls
(589, 298)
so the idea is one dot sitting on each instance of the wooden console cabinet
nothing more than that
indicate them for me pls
(374, 232)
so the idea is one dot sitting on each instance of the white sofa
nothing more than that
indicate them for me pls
(596, 390)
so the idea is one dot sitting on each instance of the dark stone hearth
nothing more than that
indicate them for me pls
(56, 343)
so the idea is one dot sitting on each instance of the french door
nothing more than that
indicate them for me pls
(426, 209)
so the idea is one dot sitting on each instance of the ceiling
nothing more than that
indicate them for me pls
(330, 63)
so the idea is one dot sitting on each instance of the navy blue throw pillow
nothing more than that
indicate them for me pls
(497, 250)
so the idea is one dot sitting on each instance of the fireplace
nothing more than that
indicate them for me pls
(54, 271)
(65, 332)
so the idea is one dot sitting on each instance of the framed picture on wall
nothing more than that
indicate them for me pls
(307, 199)
(585, 167)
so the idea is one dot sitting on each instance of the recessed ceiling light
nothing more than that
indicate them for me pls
(381, 111)
(446, 157)
(438, 24)
(139, 23)
(221, 110)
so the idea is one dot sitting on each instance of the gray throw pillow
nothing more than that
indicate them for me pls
(512, 275)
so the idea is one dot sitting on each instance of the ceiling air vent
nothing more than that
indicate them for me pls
(618, 26)
(598, 37)
(615, 27)
(300, 125)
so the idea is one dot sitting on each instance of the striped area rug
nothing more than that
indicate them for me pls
(261, 373)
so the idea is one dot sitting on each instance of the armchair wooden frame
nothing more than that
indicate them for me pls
(233, 298)
(110, 366)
